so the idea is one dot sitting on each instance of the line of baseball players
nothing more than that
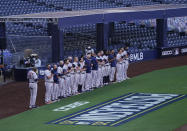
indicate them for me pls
(73, 76)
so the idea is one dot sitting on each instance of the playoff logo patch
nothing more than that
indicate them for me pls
(119, 110)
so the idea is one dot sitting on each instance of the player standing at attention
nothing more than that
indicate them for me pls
(94, 71)
(100, 75)
(72, 78)
(48, 84)
(55, 84)
(102, 67)
(112, 61)
(88, 82)
(67, 88)
(77, 75)
(32, 79)
(61, 80)
(119, 66)
(82, 78)
(107, 67)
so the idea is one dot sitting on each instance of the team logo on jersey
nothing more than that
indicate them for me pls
(119, 110)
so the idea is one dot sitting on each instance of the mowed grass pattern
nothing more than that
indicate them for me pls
(171, 81)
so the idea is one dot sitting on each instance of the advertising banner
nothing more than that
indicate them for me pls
(142, 56)
(172, 51)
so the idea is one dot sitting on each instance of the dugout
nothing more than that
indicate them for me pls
(103, 19)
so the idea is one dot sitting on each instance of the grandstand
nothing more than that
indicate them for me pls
(140, 35)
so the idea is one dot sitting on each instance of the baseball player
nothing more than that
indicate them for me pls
(82, 75)
(48, 84)
(94, 71)
(61, 80)
(88, 82)
(66, 71)
(100, 75)
(77, 75)
(119, 67)
(107, 67)
(55, 84)
(112, 61)
(103, 68)
(72, 79)
(32, 79)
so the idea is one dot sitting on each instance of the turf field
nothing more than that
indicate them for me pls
(170, 81)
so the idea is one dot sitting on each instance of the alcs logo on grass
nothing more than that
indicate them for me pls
(71, 106)
(119, 110)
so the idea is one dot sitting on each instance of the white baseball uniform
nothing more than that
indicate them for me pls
(61, 82)
(82, 75)
(126, 64)
(32, 77)
(48, 85)
(67, 81)
(100, 73)
(119, 67)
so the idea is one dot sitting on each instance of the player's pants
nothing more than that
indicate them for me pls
(68, 86)
(119, 72)
(94, 78)
(112, 73)
(81, 81)
(102, 75)
(123, 71)
(99, 77)
(75, 84)
(107, 70)
(48, 93)
(61, 87)
(72, 83)
(55, 91)
(88, 82)
(33, 93)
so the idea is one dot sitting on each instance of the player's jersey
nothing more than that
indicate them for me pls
(32, 77)
(118, 57)
(60, 71)
(65, 68)
(48, 74)
(82, 64)
(105, 57)
(88, 65)
(99, 59)
(112, 60)
(76, 64)
(70, 65)
(94, 62)
(55, 76)
(124, 53)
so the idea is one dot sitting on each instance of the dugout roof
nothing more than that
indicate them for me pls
(68, 18)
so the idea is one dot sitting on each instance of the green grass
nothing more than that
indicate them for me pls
(173, 80)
